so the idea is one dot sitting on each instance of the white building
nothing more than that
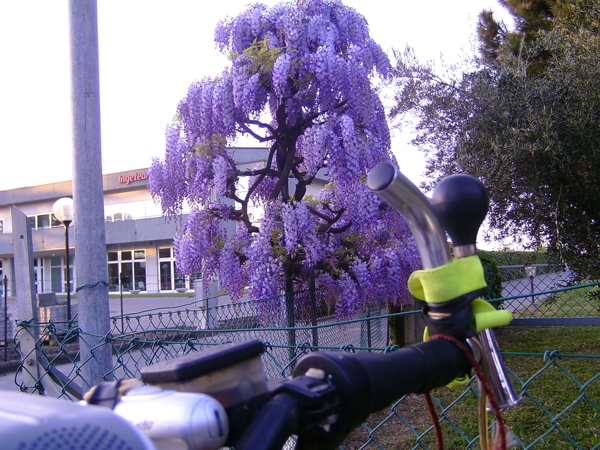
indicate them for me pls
(138, 241)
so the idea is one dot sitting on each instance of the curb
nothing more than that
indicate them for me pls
(6, 367)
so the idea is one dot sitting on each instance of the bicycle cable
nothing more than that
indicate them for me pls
(499, 442)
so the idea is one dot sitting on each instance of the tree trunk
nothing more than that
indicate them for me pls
(313, 311)
(291, 315)
(397, 326)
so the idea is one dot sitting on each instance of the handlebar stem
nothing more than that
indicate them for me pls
(392, 186)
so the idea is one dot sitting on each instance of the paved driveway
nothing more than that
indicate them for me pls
(539, 283)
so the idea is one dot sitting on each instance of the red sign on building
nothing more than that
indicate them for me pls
(135, 177)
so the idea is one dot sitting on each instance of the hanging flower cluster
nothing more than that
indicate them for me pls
(307, 66)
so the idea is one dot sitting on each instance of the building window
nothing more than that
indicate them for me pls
(38, 274)
(57, 273)
(118, 216)
(43, 221)
(46, 220)
(169, 278)
(127, 269)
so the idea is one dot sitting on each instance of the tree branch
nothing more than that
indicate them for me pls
(262, 125)
(330, 229)
(320, 214)
(310, 118)
(339, 211)
(285, 172)
(302, 183)
(251, 173)
(245, 129)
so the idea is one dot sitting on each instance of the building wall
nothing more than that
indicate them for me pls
(133, 222)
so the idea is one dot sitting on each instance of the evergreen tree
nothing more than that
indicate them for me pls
(531, 17)
(533, 139)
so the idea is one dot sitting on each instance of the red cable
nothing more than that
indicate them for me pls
(486, 388)
(439, 437)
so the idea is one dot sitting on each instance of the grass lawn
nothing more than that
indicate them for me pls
(550, 388)
(583, 302)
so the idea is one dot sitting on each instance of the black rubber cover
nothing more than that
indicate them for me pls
(461, 203)
(414, 369)
(275, 423)
(200, 363)
(381, 176)
(369, 382)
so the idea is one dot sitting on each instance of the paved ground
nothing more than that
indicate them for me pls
(7, 383)
(276, 359)
(541, 283)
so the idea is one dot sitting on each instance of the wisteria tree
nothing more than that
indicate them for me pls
(299, 82)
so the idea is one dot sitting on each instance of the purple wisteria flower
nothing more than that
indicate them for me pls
(300, 83)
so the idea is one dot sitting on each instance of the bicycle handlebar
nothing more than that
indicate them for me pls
(331, 393)
(346, 389)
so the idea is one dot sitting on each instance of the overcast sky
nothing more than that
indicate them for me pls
(150, 52)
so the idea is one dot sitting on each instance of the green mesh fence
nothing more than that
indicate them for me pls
(547, 291)
(561, 391)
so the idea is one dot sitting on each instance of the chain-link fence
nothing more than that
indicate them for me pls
(132, 280)
(549, 292)
(125, 309)
(8, 319)
(268, 320)
(562, 391)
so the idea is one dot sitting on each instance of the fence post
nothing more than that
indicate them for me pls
(369, 342)
(414, 325)
(121, 292)
(313, 311)
(23, 263)
(530, 271)
(5, 319)
(291, 316)
(210, 295)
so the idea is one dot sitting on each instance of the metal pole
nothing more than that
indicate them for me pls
(313, 311)
(369, 327)
(67, 223)
(5, 319)
(291, 316)
(88, 193)
(532, 297)
(121, 290)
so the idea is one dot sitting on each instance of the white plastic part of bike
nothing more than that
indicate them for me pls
(175, 420)
(29, 422)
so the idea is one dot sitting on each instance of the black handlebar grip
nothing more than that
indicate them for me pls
(461, 203)
(368, 382)
(412, 370)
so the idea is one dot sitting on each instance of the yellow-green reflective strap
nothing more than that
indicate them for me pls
(450, 281)
(447, 282)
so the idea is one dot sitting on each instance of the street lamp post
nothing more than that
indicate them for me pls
(63, 211)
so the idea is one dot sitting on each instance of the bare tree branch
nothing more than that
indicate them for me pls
(262, 125)
(320, 214)
(251, 173)
(245, 129)
(330, 229)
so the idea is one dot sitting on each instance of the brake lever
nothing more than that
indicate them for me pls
(302, 406)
